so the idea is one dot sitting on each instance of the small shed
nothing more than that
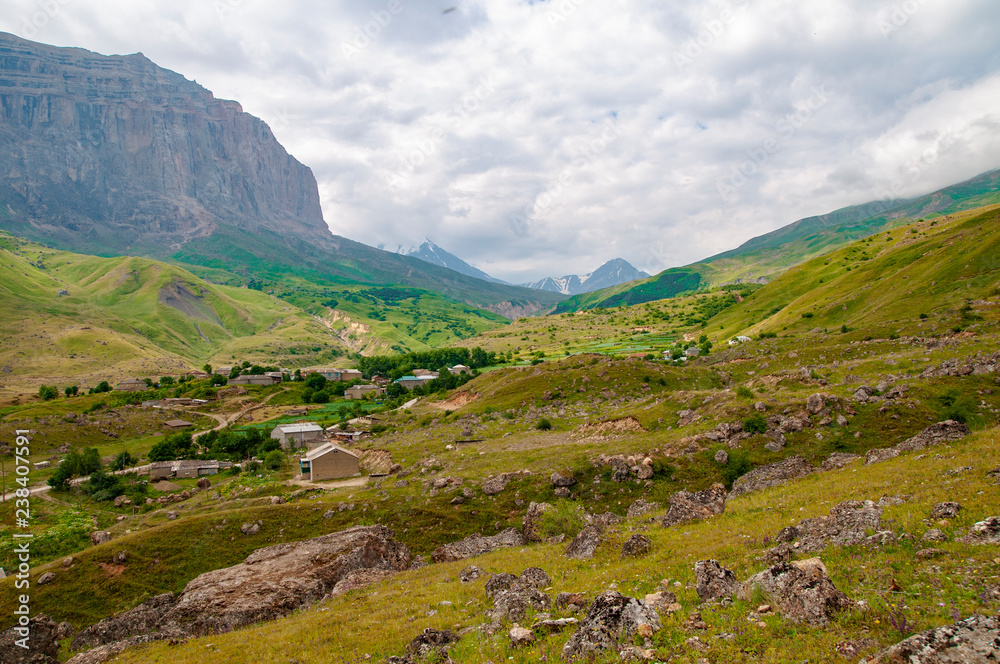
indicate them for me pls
(694, 351)
(297, 435)
(159, 470)
(361, 391)
(460, 369)
(132, 385)
(177, 424)
(330, 462)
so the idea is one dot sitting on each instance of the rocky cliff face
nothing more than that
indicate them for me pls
(116, 153)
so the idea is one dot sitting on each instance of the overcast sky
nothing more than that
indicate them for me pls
(544, 138)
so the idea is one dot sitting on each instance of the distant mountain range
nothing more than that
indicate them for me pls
(613, 273)
(435, 255)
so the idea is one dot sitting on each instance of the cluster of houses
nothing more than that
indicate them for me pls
(423, 376)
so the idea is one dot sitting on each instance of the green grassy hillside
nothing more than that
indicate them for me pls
(923, 279)
(763, 258)
(80, 316)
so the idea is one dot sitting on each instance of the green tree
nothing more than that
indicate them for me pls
(71, 391)
(166, 381)
(274, 460)
(207, 368)
(47, 392)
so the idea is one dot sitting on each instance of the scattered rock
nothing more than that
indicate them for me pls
(552, 626)
(536, 577)
(694, 623)
(839, 460)
(613, 619)
(204, 483)
(64, 631)
(495, 485)
(100, 537)
(250, 528)
(531, 525)
(563, 492)
(925, 554)
(561, 480)
(431, 644)
(971, 641)
(945, 511)
(848, 523)
(771, 475)
(635, 546)
(583, 545)
(686, 506)
(572, 602)
(640, 507)
(815, 403)
(171, 516)
(278, 500)
(520, 637)
(803, 593)
(477, 545)
(984, 532)
(662, 602)
(470, 574)
(68, 561)
(46, 578)
(144, 619)
(934, 535)
(43, 644)
(713, 581)
(933, 435)
(512, 598)
(722, 457)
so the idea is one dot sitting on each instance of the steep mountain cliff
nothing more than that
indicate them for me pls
(115, 154)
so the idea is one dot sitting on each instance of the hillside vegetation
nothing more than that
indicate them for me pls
(763, 258)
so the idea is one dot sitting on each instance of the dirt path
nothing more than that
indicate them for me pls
(224, 422)
(337, 484)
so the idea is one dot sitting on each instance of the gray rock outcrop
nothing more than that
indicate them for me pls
(802, 592)
(531, 525)
(984, 532)
(584, 544)
(686, 506)
(42, 642)
(975, 640)
(477, 545)
(771, 475)
(935, 434)
(270, 583)
(612, 620)
(713, 581)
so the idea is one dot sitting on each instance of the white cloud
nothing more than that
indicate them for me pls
(481, 128)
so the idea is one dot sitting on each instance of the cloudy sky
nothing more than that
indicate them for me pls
(544, 138)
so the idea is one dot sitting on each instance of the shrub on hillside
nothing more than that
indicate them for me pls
(563, 517)
(755, 424)
(544, 425)
(737, 466)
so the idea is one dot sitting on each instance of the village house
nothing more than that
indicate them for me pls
(298, 435)
(132, 385)
(329, 462)
(361, 391)
(460, 369)
(425, 373)
(260, 381)
(159, 470)
(223, 371)
(177, 424)
(412, 382)
(367, 420)
(336, 433)
(739, 340)
(694, 351)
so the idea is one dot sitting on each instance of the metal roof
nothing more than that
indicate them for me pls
(298, 428)
(326, 448)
